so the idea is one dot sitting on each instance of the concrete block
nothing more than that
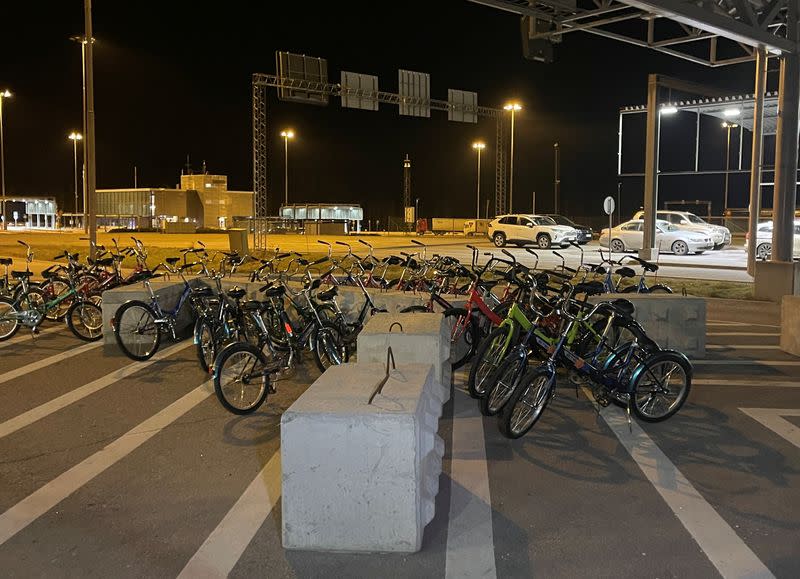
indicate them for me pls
(673, 321)
(419, 339)
(790, 325)
(360, 477)
(775, 279)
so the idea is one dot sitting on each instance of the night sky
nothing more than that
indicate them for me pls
(173, 78)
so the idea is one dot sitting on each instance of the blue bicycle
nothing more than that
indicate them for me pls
(138, 325)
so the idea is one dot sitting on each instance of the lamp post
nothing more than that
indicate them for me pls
(556, 176)
(82, 41)
(479, 146)
(3, 95)
(728, 126)
(75, 137)
(513, 107)
(287, 134)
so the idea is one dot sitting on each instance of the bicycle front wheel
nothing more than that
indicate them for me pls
(488, 356)
(85, 320)
(329, 347)
(463, 336)
(527, 404)
(504, 380)
(9, 324)
(206, 344)
(661, 386)
(136, 331)
(241, 381)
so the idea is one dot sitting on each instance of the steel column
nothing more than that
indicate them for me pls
(757, 161)
(651, 168)
(500, 172)
(259, 150)
(89, 142)
(783, 203)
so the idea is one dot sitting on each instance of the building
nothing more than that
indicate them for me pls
(31, 212)
(203, 200)
(325, 218)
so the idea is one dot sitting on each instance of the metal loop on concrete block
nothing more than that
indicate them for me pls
(382, 383)
(393, 324)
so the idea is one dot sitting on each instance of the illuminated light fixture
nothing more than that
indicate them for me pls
(513, 107)
(775, 51)
(727, 125)
(478, 145)
(732, 112)
(5, 94)
(287, 134)
(669, 110)
(75, 136)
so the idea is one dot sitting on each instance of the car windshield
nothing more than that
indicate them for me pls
(695, 219)
(667, 227)
(544, 221)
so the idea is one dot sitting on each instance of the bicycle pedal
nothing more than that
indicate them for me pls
(601, 397)
(577, 378)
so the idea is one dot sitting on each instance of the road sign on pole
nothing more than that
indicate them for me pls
(415, 93)
(301, 68)
(463, 106)
(357, 91)
(608, 207)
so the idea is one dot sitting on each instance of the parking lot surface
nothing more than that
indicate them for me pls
(114, 468)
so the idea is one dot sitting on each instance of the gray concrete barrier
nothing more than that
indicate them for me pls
(358, 476)
(790, 325)
(673, 321)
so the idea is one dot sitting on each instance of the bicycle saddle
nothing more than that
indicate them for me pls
(21, 274)
(624, 307)
(6, 261)
(237, 293)
(203, 291)
(46, 274)
(252, 306)
(273, 292)
(590, 288)
(172, 260)
(626, 272)
(328, 295)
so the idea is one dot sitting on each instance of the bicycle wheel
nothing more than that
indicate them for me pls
(136, 331)
(9, 324)
(240, 378)
(51, 289)
(527, 404)
(85, 320)
(329, 347)
(504, 381)
(660, 386)
(488, 356)
(463, 336)
(205, 343)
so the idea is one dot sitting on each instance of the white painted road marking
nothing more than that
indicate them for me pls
(704, 362)
(738, 382)
(48, 408)
(730, 323)
(39, 502)
(743, 333)
(773, 419)
(27, 336)
(723, 547)
(220, 552)
(50, 360)
(470, 538)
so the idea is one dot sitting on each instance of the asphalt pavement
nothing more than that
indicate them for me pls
(110, 468)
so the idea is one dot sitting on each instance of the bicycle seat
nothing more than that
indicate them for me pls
(328, 295)
(625, 272)
(21, 274)
(6, 261)
(105, 262)
(275, 292)
(46, 274)
(202, 291)
(252, 306)
(237, 293)
(624, 307)
(172, 260)
(590, 288)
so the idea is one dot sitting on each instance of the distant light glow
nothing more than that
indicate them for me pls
(514, 106)
(73, 136)
(6, 93)
(732, 112)
(727, 125)
(479, 145)
(669, 110)
(287, 134)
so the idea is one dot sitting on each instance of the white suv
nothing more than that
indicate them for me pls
(721, 236)
(527, 229)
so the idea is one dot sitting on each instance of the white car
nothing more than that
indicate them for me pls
(721, 236)
(629, 236)
(764, 239)
(527, 229)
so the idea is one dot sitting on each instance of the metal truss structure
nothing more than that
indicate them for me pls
(262, 82)
(709, 32)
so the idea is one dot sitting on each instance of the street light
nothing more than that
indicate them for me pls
(286, 134)
(3, 95)
(513, 107)
(75, 137)
(82, 41)
(729, 126)
(479, 146)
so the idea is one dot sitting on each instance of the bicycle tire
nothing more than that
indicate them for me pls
(85, 320)
(146, 322)
(660, 289)
(415, 310)
(647, 371)
(329, 347)
(503, 384)
(8, 327)
(56, 286)
(515, 420)
(488, 356)
(232, 363)
(463, 338)
(205, 344)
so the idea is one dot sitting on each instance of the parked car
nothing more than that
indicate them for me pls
(721, 236)
(584, 232)
(527, 229)
(764, 239)
(629, 236)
